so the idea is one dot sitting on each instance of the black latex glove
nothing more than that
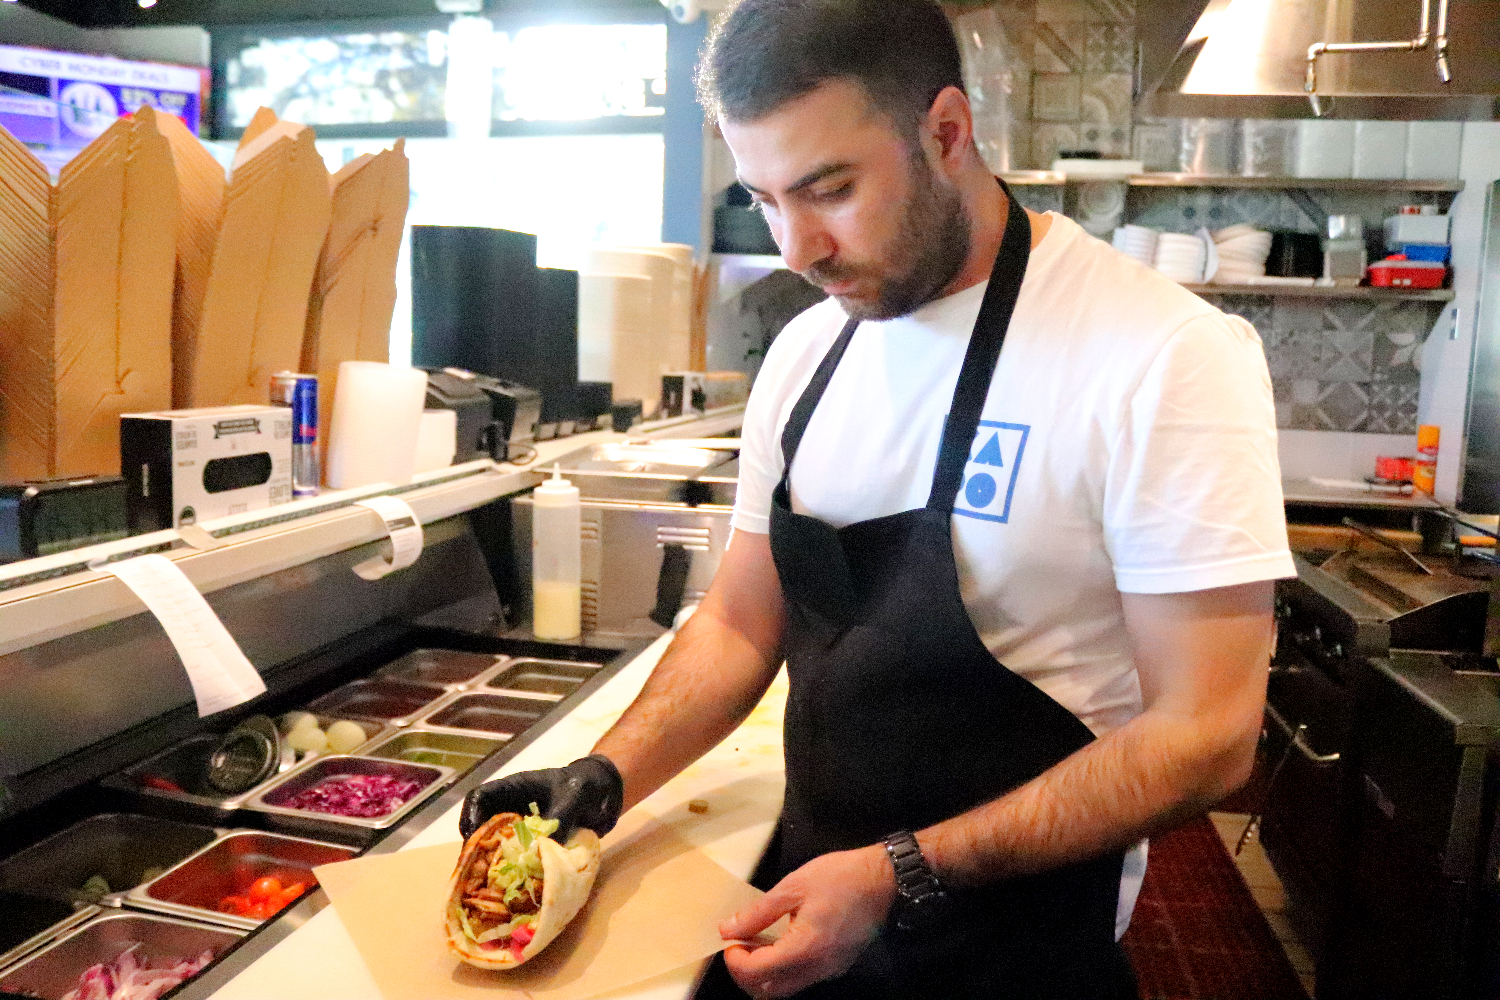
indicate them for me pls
(587, 793)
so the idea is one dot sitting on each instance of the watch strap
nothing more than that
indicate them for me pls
(921, 900)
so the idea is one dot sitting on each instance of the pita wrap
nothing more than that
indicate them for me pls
(500, 913)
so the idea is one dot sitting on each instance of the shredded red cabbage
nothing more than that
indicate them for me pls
(365, 796)
(127, 979)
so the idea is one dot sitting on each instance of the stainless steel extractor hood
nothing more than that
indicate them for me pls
(1340, 58)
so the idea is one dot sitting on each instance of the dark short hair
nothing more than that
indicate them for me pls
(763, 53)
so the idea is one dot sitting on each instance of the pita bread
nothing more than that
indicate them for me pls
(567, 879)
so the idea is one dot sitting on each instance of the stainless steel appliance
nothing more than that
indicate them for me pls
(1396, 59)
(1381, 716)
(655, 525)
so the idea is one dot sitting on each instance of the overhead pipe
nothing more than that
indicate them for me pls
(1418, 44)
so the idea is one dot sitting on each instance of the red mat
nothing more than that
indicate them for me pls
(1197, 933)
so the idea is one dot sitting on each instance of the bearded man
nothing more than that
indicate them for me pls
(1023, 596)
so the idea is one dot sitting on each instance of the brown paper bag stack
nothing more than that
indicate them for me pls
(85, 298)
(354, 289)
(275, 215)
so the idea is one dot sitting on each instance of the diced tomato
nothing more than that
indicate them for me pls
(161, 784)
(522, 936)
(260, 910)
(492, 945)
(265, 889)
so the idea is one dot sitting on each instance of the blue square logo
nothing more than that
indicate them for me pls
(990, 475)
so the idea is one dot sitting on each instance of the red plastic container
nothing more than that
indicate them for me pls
(1398, 272)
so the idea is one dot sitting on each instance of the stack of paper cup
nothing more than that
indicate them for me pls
(1181, 257)
(1137, 241)
(377, 415)
(437, 440)
(1242, 254)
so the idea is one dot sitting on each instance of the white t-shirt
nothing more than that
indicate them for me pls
(1128, 444)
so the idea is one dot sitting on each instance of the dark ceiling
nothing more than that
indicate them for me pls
(212, 13)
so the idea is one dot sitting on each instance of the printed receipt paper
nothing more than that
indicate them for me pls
(656, 906)
(220, 674)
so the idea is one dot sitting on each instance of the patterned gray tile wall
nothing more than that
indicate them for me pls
(1340, 364)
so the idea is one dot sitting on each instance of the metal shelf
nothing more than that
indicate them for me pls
(1327, 292)
(1163, 179)
(1294, 183)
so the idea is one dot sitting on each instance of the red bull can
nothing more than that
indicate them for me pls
(300, 392)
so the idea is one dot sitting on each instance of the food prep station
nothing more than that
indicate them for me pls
(122, 829)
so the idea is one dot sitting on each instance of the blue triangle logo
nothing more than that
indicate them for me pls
(990, 453)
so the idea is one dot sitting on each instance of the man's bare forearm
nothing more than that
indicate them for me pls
(1202, 663)
(1136, 781)
(708, 681)
(711, 676)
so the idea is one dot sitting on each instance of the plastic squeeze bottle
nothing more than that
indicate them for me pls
(556, 559)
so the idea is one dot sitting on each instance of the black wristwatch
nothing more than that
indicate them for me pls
(921, 900)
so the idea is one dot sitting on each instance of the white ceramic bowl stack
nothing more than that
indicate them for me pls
(1242, 254)
(1181, 257)
(1138, 242)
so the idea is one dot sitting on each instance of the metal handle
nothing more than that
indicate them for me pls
(1298, 736)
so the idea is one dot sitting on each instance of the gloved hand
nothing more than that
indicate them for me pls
(587, 793)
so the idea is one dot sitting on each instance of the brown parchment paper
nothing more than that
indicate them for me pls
(655, 907)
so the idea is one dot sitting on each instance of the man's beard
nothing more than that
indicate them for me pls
(929, 249)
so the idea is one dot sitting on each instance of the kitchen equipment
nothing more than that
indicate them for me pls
(1325, 148)
(642, 561)
(247, 755)
(487, 713)
(476, 433)
(421, 746)
(1344, 253)
(449, 667)
(542, 677)
(229, 866)
(1409, 228)
(516, 409)
(1432, 150)
(1380, 149)
(275, 801)
(388, 700)
(1295, 255)
(1339, 670)
(54, 970)
(1268, 147)
(41, 887)
(38, 519)
(1262, 58)
(1208, 146)
(1398, 272)
(377, 416)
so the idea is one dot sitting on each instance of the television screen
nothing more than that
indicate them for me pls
(59, 102)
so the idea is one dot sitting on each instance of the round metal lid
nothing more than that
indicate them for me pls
(247, 755)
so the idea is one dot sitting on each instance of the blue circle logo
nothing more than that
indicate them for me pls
(981, 490)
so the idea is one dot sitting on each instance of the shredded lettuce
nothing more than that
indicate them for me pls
(514, 870)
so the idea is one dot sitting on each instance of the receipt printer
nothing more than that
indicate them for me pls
(186, 466)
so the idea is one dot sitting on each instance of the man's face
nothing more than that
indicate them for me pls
(854, 208)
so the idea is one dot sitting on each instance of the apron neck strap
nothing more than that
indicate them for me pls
(983, 354)
(973, 379)
(796, 424)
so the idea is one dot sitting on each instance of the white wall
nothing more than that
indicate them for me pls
(187, 45)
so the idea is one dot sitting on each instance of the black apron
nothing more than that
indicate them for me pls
(900, 717)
